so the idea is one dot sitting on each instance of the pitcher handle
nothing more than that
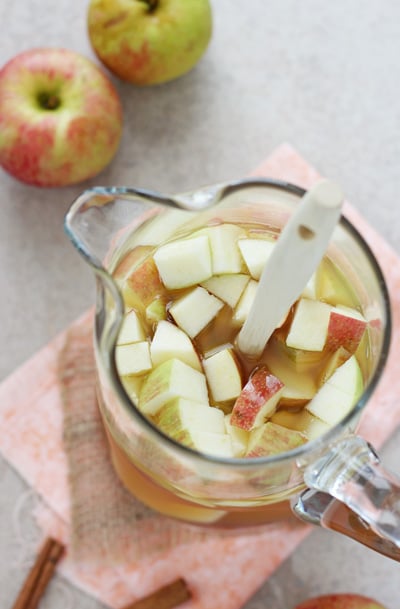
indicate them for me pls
(350, 492)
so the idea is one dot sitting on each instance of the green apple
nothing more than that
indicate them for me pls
(340, 601)
(60, 118)
(149, 41)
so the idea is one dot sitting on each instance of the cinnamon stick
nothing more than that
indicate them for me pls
(39, 576)
(167, 597)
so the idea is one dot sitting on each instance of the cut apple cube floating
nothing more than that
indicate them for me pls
(257, 401)
(180, 417)
(133, 358)
(272, 439)
(239, 437)
(223, 375)
(228, 288)
(194, 311)
(346, 328)
(309, 327)
(334, 400)
(225, 254)
(172, 379)
(170, 342)
(303, 421)
(210, 443)
(185, 262)
(245, 303)
(255, 253)
(131, 330)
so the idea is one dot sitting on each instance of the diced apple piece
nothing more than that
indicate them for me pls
(228, 288)
(301, 360)
(216, 444)
(132, 386)
(244, 305)
(272, 439)
(131, 330)
(130, 261)
(143, 285)
(302, 421)
(334, 400)
(257, 401)
(194, 311)
(156, 311)
(309, 327)
(255, 253)
(184, 262)
(337, 359)
(346, 328)
(239, 437)
(169, 380)
(223, 375)
(225, 254)
(170, 342)
(180, 417)
(331, 287)
(133, 358)
(299, 386)
(310, 290)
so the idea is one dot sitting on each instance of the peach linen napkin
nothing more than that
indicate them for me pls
(35, 437)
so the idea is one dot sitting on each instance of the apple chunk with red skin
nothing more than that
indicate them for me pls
(60, 118)
(257, 400)
(340, 601)
(345, 329)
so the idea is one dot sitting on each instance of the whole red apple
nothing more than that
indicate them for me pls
(340, 601)
(149, 41)
(60, 117)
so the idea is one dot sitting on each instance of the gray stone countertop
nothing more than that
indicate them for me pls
(324, 76)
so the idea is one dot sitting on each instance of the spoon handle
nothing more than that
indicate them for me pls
(297, 253)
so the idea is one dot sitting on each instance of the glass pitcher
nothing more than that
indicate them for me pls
(334, 480)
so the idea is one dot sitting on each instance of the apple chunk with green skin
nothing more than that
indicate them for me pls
(257, 401)
(55, 130)
(272, 439)
(346, 328)
(340, 601)
(170, 342)
(148, 42)
(223, 375)
(194, 311)
(183, 420)
(309, 327)
(228, 288)
(334, 400)
(255, 253)
(172, 379)
(184, 262)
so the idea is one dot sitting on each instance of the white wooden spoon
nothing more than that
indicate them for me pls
(296, 255)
